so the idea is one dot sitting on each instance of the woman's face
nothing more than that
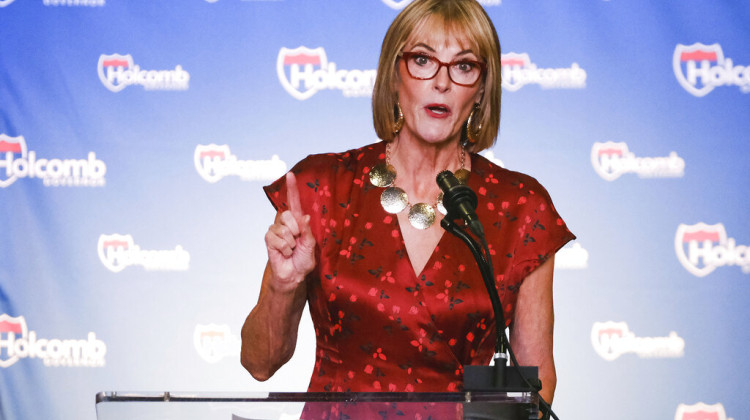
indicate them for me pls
(435, 109)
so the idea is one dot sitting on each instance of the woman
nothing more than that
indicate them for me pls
(397, 303)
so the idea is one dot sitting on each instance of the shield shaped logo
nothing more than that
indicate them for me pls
(604, 154)
(397, 4)
(110, 65)
(510, 64)
(700, 411)
(689, 237)
(9, 147)
(300, 62)
(11, 325)
(687, 57)
(208, 161)
(602, 336)
(113, 251)
(211, 340)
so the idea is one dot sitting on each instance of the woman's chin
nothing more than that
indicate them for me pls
(436, 137)
(439, 139)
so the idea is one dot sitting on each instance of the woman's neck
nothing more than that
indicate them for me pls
(418, 163)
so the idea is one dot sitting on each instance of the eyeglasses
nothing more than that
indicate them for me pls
(423, 66)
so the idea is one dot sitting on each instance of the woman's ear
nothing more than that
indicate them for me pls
(396, 79)
(480, 94)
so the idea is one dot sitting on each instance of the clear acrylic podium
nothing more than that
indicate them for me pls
(484, 405)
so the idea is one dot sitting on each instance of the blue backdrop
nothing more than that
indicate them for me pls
(135, 138)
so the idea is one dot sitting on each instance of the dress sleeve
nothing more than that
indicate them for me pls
(541, 234)
(307, 172)
(276, 193)
(314, 178)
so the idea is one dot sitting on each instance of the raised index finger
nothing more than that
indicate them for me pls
(292, 195)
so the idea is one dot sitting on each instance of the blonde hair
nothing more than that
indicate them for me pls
(465, 17)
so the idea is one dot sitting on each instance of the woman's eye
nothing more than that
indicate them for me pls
(421, 59)
(465, 66)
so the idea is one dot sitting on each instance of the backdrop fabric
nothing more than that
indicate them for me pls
(135, 137)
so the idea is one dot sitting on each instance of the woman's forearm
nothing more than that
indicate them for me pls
(533, 327)
(269, 335)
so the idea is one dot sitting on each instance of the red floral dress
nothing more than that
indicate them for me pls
(380, 327)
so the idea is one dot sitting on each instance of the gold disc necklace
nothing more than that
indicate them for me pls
(394, 199)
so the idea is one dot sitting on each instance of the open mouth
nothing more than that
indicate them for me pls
(438, 109)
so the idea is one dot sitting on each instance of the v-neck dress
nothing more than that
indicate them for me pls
(380, 327)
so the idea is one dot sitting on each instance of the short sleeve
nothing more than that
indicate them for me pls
(316, 179)
(276, 193)
(311, 176)
(541, 233)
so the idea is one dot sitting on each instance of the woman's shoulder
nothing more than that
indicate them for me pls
(324, 177)
(496, 178)
(322, 164)
(521, 200)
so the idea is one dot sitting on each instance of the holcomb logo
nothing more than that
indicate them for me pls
(214, 342)
(16, 161)
(611, 160)
(117, 71)
(613, 339)
(700, 411)
(214, 162)
(701, 68)
(17, 342)
(310, 72)
(117, 252)
(517, 71)
(702, 248)
(400, 4)
(574, 257)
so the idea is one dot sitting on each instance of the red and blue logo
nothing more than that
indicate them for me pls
(305, 71)
(10, 148)
(700, 411)
(701, 68)
(702, 248)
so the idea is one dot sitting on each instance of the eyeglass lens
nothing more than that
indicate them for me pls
(426, 67)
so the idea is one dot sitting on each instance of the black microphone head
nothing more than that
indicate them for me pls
(455, 193)
(459, 200)
(446, 180)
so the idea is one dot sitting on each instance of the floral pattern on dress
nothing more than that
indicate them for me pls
(380, 327)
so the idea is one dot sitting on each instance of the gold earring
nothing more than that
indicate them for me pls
(471, 134)
(399, 118)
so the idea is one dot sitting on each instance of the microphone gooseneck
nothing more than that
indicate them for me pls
(460, 201)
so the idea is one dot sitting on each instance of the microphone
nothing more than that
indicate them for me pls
(460, 201)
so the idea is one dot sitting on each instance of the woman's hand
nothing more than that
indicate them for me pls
(269, 334)
(290, 243)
